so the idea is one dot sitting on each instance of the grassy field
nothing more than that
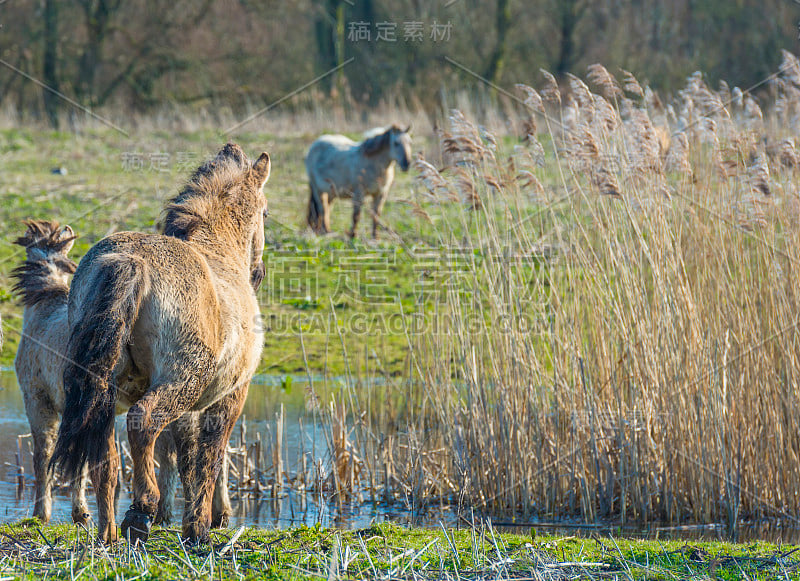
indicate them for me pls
(115, 183)
(384, 552)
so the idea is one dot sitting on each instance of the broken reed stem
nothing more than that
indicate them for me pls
(277, 456)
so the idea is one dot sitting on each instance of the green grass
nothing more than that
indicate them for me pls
(116, 183)
(29, 551)
(351, 301)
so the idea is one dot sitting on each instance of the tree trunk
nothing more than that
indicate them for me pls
(324, 36)
(340, 38)
(98, 14)
(329, 38)
(50, 61)
(570, 13)
(502, 24)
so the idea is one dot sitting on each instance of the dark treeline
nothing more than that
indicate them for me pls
(240, 53)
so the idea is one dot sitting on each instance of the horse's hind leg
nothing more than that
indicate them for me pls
(221, 504)
(201, 452)
(105, 476)
(327, 206)
(44, 428)
(167, 457)
(160, 406)
(357, 201)
(316, 210)
(80, 508)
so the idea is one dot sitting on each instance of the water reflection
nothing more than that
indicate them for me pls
(303, 435)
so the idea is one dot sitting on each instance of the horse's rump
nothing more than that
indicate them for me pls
(95, 346)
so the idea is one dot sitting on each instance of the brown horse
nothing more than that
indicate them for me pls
(43, 282)
(176, 318)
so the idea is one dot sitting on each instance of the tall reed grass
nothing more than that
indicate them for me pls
(625, 344)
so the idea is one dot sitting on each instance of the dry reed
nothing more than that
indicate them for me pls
(647, 370)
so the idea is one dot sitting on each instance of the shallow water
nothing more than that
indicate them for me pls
(266, 399)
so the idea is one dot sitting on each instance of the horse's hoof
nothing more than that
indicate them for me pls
(80, 517)
(136, 526)
(163, 517)
(110, 537)
(195, 535)
(44, 518)
(163, 520)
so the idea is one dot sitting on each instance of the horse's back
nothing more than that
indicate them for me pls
(167, 262)
(327, 152)
(39, 362)
(172, 278)
(330, 162)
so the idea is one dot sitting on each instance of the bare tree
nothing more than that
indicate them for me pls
(98, 15)
(502, 24)
(50, 62)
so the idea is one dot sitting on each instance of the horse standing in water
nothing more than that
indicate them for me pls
(339, 167)
(176, 317)
(43, 282)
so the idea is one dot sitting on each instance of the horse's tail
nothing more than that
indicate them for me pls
(95, 346)
(315, 210)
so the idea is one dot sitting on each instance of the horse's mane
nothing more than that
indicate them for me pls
(378, 138)
(45, 235)
(199, 199)
(35, 281)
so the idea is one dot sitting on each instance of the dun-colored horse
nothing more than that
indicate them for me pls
(176, 317)
(43, 282)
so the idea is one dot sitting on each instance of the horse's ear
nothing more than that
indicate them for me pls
(67, 238)
(407, 129)
(24, 240)
(261, 168)
(32, 232)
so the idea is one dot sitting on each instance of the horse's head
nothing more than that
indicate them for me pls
(230, 186)
(396, 141)
(46, 271)
(401, 146)
(44, 239)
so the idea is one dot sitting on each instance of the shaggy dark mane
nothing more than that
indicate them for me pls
(41, 277)
(45, 235)
(34, 282)
(378, 139)
(197, 201)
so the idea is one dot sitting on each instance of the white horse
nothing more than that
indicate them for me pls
(339, 167)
